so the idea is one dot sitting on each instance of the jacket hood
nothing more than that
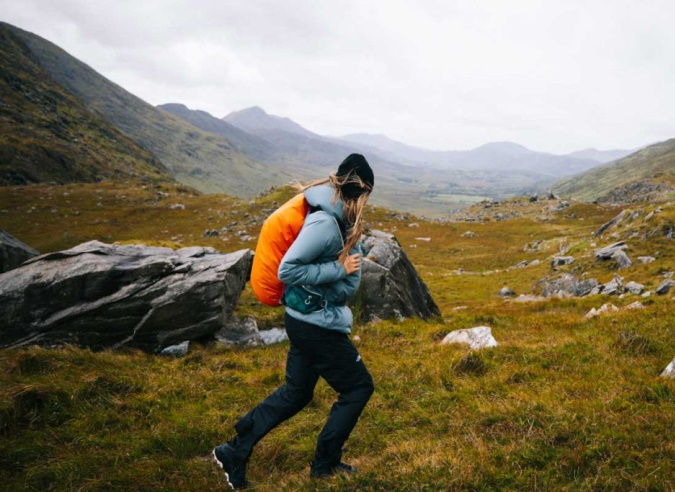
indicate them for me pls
(322, 196)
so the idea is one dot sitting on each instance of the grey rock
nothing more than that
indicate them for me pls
(236, 331)
(100, 295)
(616, 220)
(608, 252)
(177, 206)
(522, 264)
(272, 336)
(390, 285)
(635, 288)
(565, 285)
(476, 338)
(663, 288)
(13, 252)
(506, 292)
(561, 261)
(621, 259)
(646, 259)
(610, 288)
(669, 371)
(179, 350)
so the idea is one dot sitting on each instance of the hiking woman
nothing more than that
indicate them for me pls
(322, 264)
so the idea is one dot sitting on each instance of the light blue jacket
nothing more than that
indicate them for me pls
(312, 261)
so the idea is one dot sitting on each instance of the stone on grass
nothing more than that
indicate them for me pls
(177, 206)
(506, 292)
(634, 288)
(13, 252)
(646, 259)
(390, 285)
(635, 305)
(99, 295)
(665, 287)
(561, 261)
(565, 285)
(179, 350)
(604, 309)
(669, 371)
(273, 335)
(622, 260)
(608, 252)
(476, 338)
(616, 220)
(469, 234)
(237, 331)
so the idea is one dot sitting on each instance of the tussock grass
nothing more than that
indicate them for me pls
(563, 403)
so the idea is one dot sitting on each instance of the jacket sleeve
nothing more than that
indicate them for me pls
(296, 266)
(343, 290)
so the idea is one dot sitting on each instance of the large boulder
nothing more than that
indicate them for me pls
(390, 285)
(100, 295)
(13, 252)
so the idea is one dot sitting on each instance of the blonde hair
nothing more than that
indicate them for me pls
(352, 209)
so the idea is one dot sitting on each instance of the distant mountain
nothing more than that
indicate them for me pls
(255, 119)
(645, 163)
(492, 156)
(48, 134)
(206, 161)
(602, 156)
(245, 142)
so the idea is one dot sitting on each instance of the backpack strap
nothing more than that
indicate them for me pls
(341, 225)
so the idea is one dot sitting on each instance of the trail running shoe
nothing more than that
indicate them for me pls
(322, 472)
(234, 467)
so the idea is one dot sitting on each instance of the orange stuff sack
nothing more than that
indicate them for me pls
(276, 236)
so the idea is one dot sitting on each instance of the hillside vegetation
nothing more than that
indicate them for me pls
(646, 163)
(203, 160)
(49, 135)
(564, 403)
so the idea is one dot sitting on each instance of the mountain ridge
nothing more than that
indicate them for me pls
(202, 160)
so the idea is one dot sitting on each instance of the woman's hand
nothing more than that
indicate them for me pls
(352, 263)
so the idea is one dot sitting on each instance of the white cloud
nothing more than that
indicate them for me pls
(555, 76)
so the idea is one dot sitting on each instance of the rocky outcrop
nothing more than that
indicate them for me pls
(615, 221)
(13, 252)
(616, 252)
(100, 295)
(565, 285)
(390, 285)
(476, 338)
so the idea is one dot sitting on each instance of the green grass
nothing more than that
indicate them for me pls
(562, 404)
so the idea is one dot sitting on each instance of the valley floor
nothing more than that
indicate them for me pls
(563, 403)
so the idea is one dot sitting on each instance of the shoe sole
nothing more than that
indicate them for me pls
(220, 464)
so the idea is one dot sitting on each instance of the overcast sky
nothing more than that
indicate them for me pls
(553, 75)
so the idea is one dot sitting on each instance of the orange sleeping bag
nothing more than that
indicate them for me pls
(276, 236)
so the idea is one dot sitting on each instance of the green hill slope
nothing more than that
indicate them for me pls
(49, 135)
(203, 160)
(655, 159)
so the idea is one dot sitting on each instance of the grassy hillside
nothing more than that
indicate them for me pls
(203, 160)
(49, 135)
(563, 403)
(650, 161)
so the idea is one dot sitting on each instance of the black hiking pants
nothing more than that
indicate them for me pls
(314, 352)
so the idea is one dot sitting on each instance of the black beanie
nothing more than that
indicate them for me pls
(357, 164)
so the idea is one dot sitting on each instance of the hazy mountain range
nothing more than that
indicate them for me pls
(62, 121)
